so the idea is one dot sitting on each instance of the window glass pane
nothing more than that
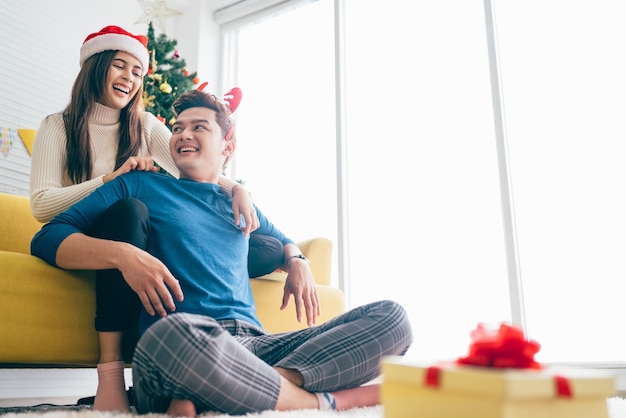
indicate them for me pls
(286, 121)
(564, 78)
(425, 216)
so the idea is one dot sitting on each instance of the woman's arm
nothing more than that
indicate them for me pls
(49, 194)
(158, 144)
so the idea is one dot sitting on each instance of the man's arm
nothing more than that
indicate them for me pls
(145, 274)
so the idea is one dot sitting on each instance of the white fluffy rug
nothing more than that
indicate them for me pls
(617, 409)
(373, 412)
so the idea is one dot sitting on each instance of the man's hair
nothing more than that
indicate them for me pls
(197, 98)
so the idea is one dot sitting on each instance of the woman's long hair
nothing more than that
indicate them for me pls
(89, 86)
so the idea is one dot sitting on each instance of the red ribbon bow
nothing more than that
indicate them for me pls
(505, 347)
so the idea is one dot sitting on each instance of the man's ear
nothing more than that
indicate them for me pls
(229, 147)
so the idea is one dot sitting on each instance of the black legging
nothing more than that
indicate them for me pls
(117, 305)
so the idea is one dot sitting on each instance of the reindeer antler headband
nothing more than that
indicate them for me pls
(231, 99)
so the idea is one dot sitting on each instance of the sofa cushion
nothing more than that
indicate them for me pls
(18, 224)
(47, 313)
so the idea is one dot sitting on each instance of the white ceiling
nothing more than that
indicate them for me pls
(183, 5)
(220, 4)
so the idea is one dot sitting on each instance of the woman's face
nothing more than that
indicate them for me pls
(123, 81)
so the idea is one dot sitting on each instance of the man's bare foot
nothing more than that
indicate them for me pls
(181, 408)
(359, 397)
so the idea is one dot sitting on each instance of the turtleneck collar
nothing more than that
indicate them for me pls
(104, 115)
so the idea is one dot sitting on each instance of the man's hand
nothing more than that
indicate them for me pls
(301, 284)
(132, 164)
(151, 279)
(242, 205)
(144, 273)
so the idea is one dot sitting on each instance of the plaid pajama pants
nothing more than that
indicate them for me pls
(227, 366)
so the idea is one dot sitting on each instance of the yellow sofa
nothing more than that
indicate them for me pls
(46, 313)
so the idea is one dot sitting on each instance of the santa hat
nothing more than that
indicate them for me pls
(114, 38)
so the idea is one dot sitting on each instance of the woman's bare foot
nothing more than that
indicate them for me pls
(181, 408)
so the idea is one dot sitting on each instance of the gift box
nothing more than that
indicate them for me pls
(457, 391)
(494, 381)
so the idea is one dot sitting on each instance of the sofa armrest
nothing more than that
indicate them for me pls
(320, 252)
(268, 290)
(268, 296)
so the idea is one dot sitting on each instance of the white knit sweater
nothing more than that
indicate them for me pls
(52, 192)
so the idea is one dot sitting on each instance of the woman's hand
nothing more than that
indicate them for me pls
(242, 205)
(132, 164)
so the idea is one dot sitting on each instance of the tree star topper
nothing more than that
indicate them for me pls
(156, 10)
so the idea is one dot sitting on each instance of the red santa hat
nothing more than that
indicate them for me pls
(114, 38)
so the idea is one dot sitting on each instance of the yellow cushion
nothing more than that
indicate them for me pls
(17, 224)
(47, 313)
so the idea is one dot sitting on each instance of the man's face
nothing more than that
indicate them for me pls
(197, 145)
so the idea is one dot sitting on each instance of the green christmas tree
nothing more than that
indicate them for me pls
(167, 77)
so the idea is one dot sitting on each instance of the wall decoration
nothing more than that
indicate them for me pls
(15, 146)
(8, 136)
(28, 138)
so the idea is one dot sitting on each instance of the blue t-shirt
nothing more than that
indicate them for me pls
(192, 233)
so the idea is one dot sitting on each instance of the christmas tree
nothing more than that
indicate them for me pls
(167, 77)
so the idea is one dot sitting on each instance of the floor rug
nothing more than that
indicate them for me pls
(616, 406)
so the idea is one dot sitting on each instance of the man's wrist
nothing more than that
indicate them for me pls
(296, 257)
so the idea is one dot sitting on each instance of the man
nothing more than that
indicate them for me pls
(212, 354)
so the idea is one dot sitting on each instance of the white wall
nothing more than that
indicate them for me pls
(40, 42)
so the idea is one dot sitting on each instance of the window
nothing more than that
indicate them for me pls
(425, 222)
(424, 213)
(286, 137)
(565, 95)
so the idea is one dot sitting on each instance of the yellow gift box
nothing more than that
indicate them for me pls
(450, 390)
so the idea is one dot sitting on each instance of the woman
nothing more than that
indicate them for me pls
(104, 133)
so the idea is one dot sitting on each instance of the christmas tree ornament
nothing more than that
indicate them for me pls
(165, 87)
(148, 101)
(176, 54)
(153, 61)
